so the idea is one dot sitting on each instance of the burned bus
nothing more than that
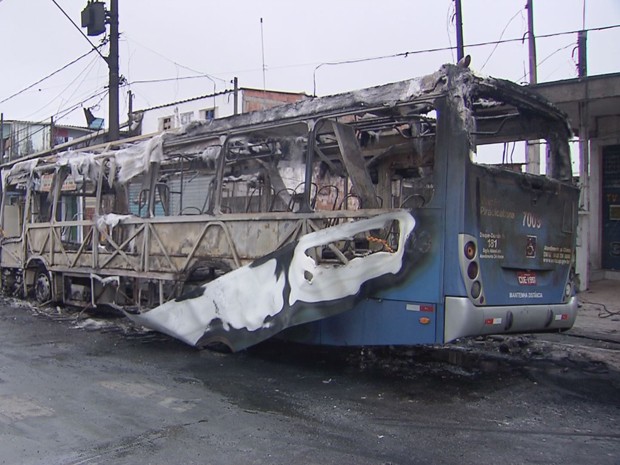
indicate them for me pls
(354, 219)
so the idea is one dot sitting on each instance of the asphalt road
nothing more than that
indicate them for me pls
(74, 390)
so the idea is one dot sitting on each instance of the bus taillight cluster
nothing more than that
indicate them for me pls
(470, 268)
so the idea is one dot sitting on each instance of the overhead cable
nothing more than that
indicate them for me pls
(81, 73)
(181, 78)
(520, 12)
(80, 30)
(443, 49)
(201, 73)
(60, 115)
(46, 77)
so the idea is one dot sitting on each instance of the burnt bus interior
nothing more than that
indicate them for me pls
(224, 196)
(265, 171)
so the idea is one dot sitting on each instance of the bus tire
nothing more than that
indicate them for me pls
(42, 286)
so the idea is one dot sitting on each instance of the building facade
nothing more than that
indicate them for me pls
(23, 138)
(592, 104)
(219, 105)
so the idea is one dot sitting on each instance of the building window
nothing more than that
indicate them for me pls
(187, 118)
(165, 123)
(207, 114)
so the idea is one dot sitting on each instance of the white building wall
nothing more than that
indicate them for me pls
(182, 113)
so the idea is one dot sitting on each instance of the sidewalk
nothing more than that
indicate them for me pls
(599, 312)
(595, 336)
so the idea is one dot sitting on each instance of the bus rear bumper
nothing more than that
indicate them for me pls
(465, 319)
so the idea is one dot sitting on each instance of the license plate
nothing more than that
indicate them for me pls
(526, 278)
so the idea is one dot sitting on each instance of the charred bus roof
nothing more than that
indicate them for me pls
(486, 95)
(491, 109)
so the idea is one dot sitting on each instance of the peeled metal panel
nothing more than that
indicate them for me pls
(356, 167)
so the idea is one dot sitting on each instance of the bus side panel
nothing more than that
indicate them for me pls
(373, 322)
(407, 312)
(425, 263)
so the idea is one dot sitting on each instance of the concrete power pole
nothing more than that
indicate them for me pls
(460, 47)
(130, 124)
(114, 131)
(531, 41)
(532, 148)
(1, 137)
(94, 18)
(236, 95)
(585, 228)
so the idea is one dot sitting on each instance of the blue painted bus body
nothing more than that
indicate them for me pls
(524, 230)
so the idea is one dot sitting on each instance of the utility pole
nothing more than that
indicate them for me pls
(130, 111)
(582, 40)
(94, 18)
(236, 95)
(460, 48)
(113, 132)
(531, 41)
(532, 150)
(52, 132)
(2, 137)
(584, 231)
(262, 46)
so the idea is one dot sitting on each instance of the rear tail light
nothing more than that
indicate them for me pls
(572, 284)
(476, 289)
(470, 250)
(470, 268)
(568, 291)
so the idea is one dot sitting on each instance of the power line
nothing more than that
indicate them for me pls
(402, 54)
(318, 65)
(449, 17)
(85, 73)
(443, 49)
(546, 58)
(180, 78)
(78, 28)
(500, 38)
(87, 68)
(59, 115)
(47, 77)
(201, 73)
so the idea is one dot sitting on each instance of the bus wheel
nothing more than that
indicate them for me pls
(42, 286)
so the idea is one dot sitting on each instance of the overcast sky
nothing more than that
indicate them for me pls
(164, 39)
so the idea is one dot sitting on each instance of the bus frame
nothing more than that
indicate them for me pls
(350, 219)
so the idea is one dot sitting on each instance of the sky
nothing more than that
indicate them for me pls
(213, 41)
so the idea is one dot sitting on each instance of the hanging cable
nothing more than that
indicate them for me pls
(47, 77)
(152, 81)
(201, 73)
(80, 30)
(449, 19)
(572, 44)
(81, 73)
(58, 116)
(441, 49)
(75, 90)
(520, 12)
